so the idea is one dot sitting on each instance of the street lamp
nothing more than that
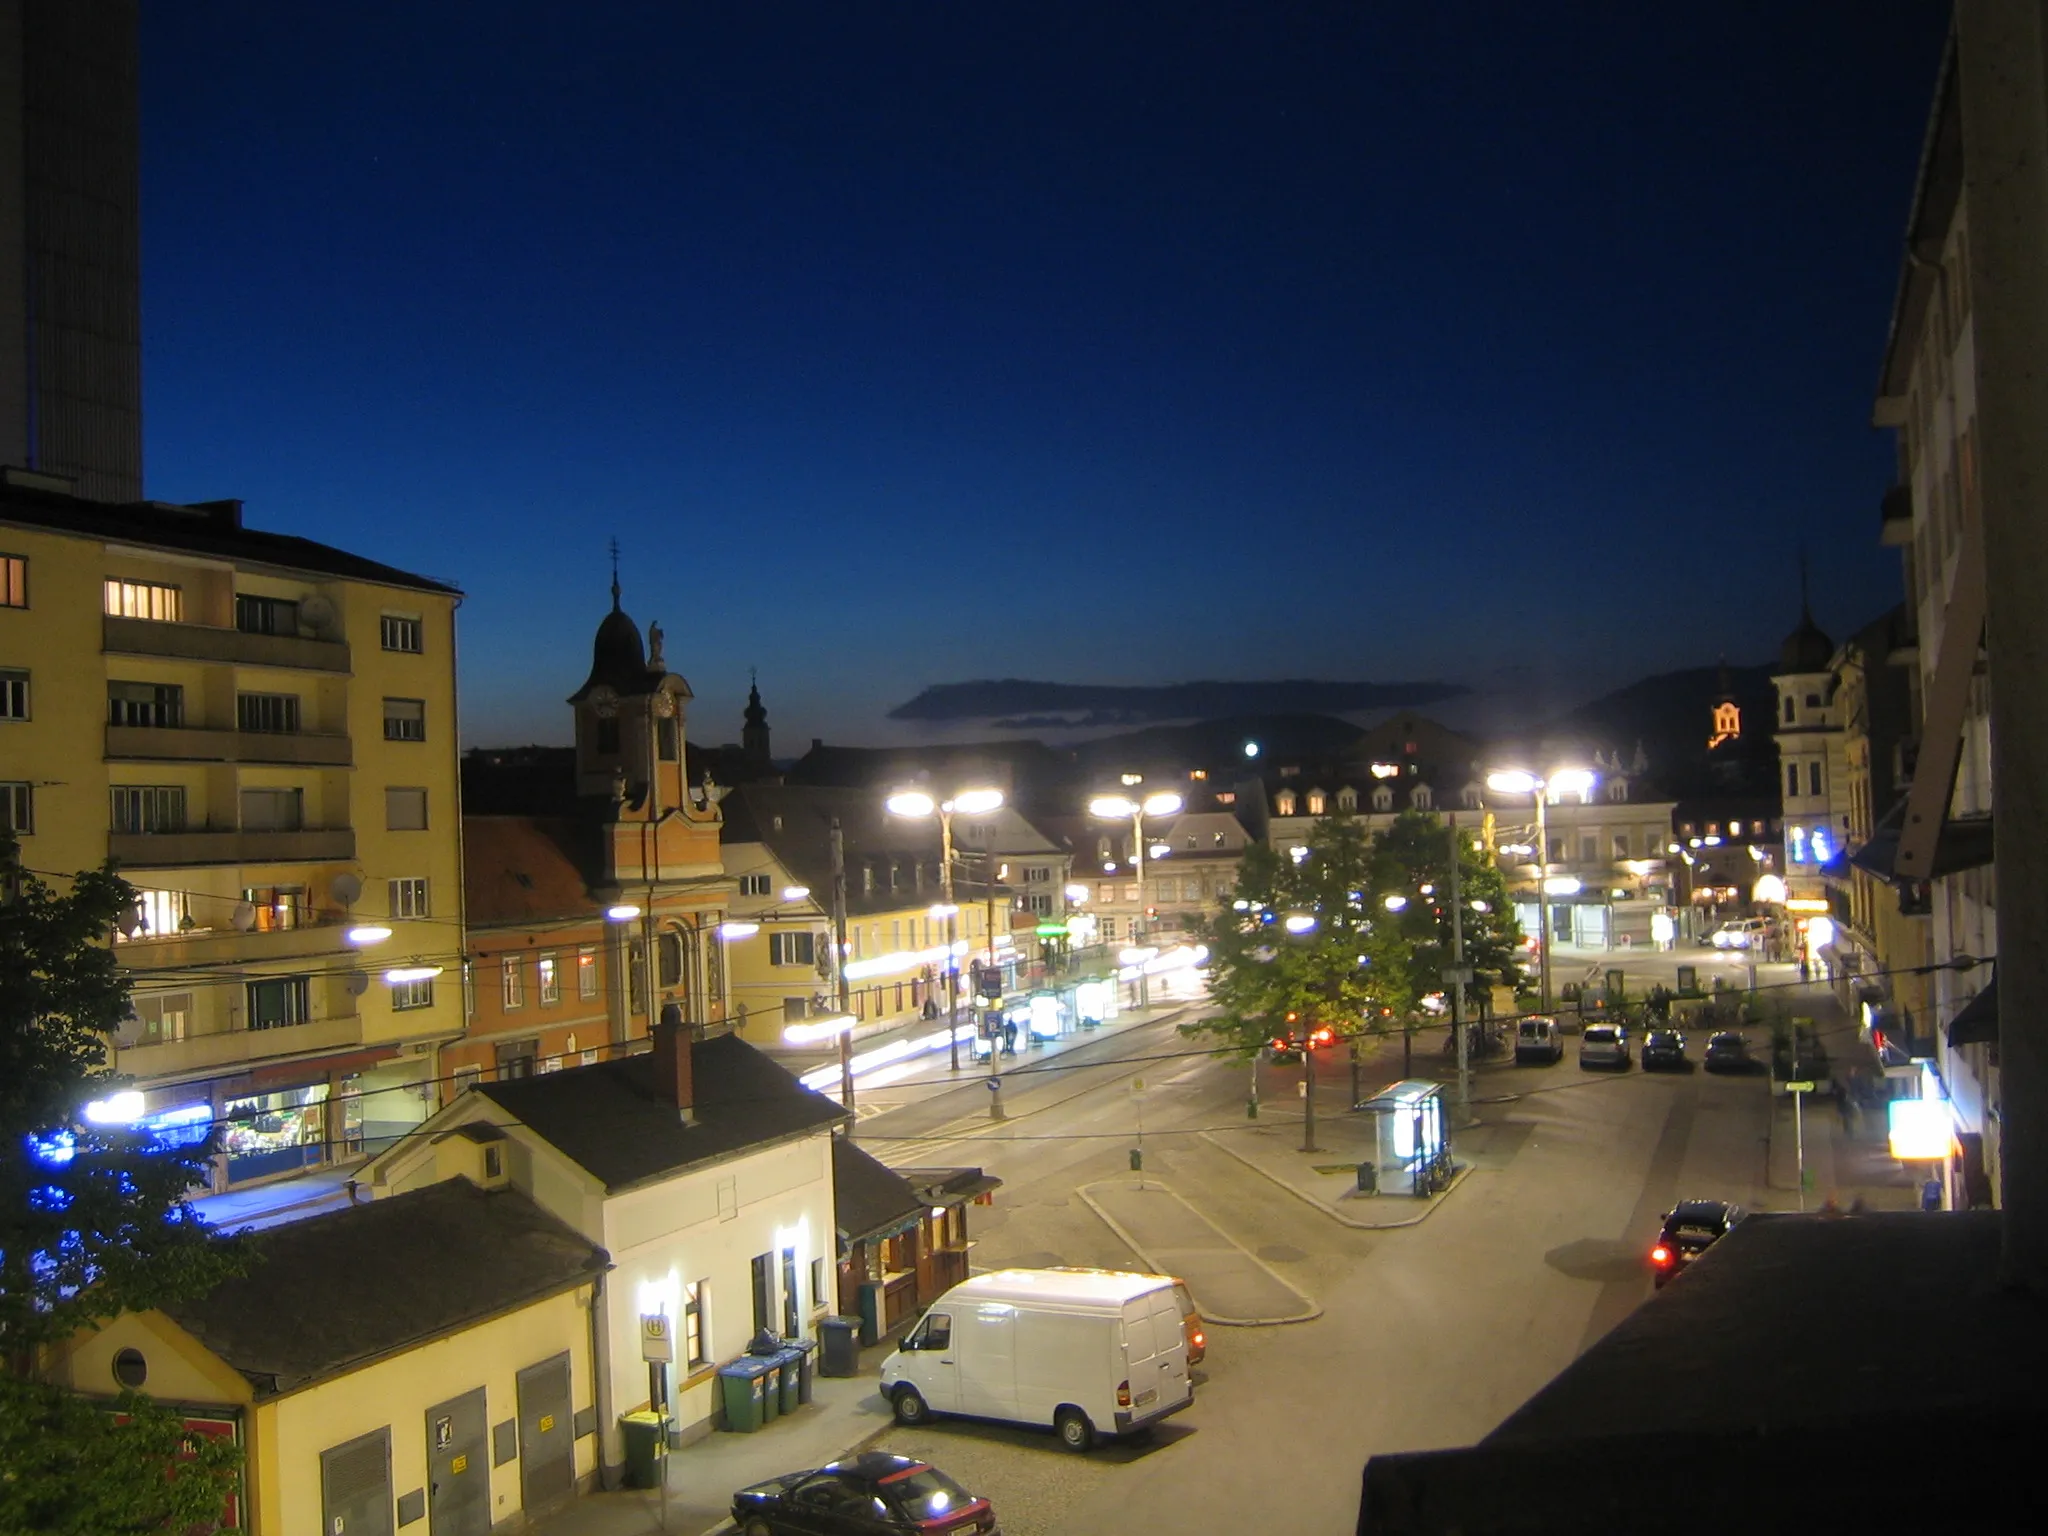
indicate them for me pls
(915, 803)
(1163, 802)
(1564, 781)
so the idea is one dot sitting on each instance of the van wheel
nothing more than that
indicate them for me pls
(910, 1407)
(1075, 1432)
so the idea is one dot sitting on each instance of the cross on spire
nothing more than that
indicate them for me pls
(615, 576)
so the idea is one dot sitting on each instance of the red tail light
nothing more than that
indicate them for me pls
(1660, 1255)
(1200, 1340)
(1123, 1394)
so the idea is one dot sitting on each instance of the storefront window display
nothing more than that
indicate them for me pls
(275, 1132)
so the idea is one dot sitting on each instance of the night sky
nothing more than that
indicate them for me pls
(904, 343)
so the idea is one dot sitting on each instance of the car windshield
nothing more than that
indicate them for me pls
(926, 1493)
(1662, 1037)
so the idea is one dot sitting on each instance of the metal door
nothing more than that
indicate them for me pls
(355, 1487)
(547, 1433)
(458, 1468)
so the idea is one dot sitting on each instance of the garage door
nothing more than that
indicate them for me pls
(547, 1432)
(355, 1487)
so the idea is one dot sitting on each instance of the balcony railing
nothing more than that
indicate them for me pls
(205, 642)
(226, 944)
(184, 744)
(239, 1047)
(161, 850)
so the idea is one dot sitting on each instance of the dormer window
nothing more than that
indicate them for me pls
(1347, 799)
(1283, 802)
(1617, 790)
(1382, 798)
(1316, 802)
(1474, 799)
(1420, 797)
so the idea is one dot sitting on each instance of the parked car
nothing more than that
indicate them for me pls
(1740, 933)
(1087, 1352)
(1691, 1227)
(1537, 1038)
(1728, 1051)
(1604, 1045)
(1665, 1049)
(873, 1491)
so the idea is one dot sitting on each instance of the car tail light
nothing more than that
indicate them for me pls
(1660, 1255)
(1200, 1340)
(1123, 1394)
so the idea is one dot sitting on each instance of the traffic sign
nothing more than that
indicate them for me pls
(1452, 974)
(657, 1343)
(1799, 1087)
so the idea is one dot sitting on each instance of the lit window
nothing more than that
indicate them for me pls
(13, 581)
(412, 994)
(512, 979)
(586, 971)
(144, 600)
(550, 979)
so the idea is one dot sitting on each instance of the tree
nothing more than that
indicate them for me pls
(94, 1221)
(1414, 853)
(1299, 946)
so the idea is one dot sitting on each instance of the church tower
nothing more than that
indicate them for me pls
(754, 734)
(629, 720)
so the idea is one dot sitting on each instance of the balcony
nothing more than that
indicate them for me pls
(205, 642)
(186, 745)
(239, 1047)
(163, 850)
(226, 945)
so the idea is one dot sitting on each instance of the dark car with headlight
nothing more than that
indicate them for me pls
(1691, 1227)
(872, 1494)
(1728, 1051)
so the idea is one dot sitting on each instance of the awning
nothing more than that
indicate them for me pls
(1977, 1024)
(1965, 843)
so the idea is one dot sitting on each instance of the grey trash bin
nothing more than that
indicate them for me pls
(841, 1340)
(1368, 1178)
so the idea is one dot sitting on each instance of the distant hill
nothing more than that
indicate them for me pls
(1020, 704)
(1671, 715)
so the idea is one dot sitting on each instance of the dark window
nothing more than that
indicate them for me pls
(516, 1060)
(789, 1295)
(608, 737)
(764, 1291)
(149, 808)
(935, 1332)
(405, 720)
(271, 713)
(669, 955)
(1792, 779)
(149, 704)
(13, 695)
(1791, 709)
(754, 885)
(1813, 778)
(400, 633)
(278, 1002)
(17, 807)
(792, 948)
(665, 737)
(265, 615)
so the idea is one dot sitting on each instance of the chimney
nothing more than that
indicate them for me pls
(672, 1062)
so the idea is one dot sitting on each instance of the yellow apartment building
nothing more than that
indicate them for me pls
(261, 731)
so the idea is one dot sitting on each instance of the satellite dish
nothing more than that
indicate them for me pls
(244, 916)
(316, 613)
(357, 982)
(345, 888)
(130, 923)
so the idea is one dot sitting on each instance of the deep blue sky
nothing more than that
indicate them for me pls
(902, 343)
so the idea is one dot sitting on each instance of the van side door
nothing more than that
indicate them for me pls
(987, 1352)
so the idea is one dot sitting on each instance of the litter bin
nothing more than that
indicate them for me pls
(806, 1366)
(789, 1370)
(743, 1386)
(770, 1369)
(841, 1340)
(646, 1434)
(1368, 1178)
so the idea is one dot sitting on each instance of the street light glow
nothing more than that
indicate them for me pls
(1513, 781)
(911, 802)
(1572, 781)
(624, 912)
(1397, 903)
(1077, 893)
(368, 933)
(977, 802)
(795, 892)
(1112, 807)
(1300, 922)
(1164, 803)
(738, 930)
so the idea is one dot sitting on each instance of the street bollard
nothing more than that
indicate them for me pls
(995, 1098)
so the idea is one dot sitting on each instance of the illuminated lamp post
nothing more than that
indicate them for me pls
(1124, 808)
(915, 803)
(1516, 781)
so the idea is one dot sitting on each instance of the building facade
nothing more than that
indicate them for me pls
(1812, 761)
(70, 244)
(261, 732)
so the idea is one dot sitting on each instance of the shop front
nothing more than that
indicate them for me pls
(280, 1120)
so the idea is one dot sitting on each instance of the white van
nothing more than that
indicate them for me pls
(1088, 1352)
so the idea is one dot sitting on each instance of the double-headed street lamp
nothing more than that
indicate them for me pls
(1562, 781)
(916, 803)
(1163, 802)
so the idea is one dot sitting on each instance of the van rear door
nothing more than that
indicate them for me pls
(1155, 1357)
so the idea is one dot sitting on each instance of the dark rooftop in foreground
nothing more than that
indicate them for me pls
(869, 1198)
(1858, 1373)
(612, 1120)
(337, 1291)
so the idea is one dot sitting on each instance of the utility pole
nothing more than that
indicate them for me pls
(951, 969)
(839, 942)
(1459, 976)
(1308, 1091)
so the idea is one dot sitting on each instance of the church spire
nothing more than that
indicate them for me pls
(615, 575)
(754, 734)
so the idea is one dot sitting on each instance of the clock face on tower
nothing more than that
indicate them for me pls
(604, 702)
(665, 704)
